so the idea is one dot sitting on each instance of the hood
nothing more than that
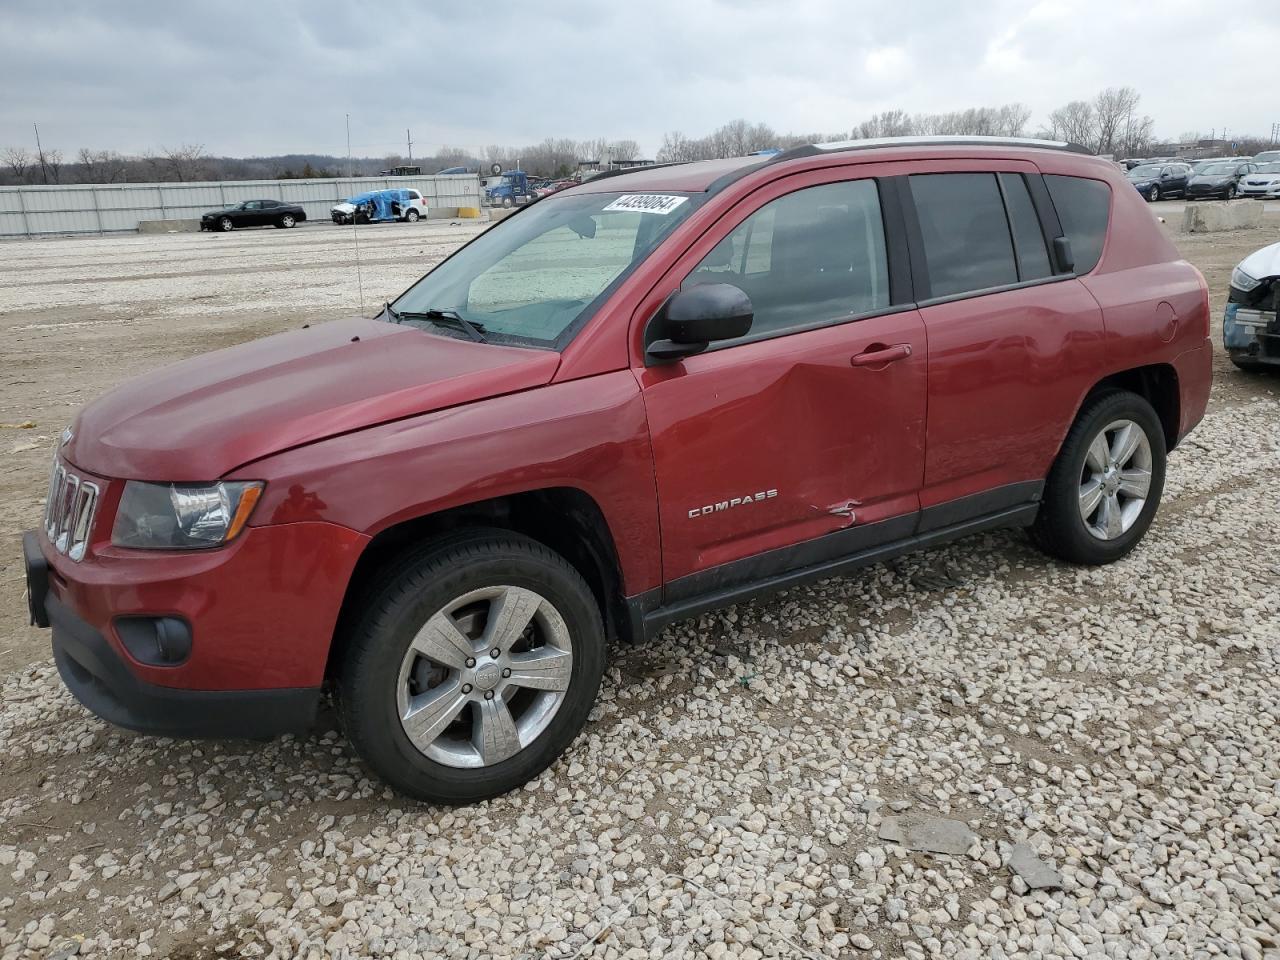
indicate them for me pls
(1263, 263)
(218, 213)
(203, 417)
(344, 207)
(1262, 177)
(1212, 178)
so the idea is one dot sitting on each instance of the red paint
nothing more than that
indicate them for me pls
(358, 425)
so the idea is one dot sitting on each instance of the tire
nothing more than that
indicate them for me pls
(412, 216)
(1117, 518)
(288, 221)
(507, 202)
(462, 581)
(1154, 195)
(226, 225)
(1230, 193)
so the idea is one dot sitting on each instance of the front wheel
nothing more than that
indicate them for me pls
(1230, 194)
(1104, 487)
(1154, 195)
(226, 224)
(473, 669)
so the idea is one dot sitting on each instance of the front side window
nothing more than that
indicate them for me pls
(808, 258)
(534, 278)
(1084, 207)
(967, 246)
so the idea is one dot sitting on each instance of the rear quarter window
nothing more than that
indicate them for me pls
(1084, 210)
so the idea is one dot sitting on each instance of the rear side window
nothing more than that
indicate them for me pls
(1084, 207)
(967, 245)
(811, 257)
(1028, 238)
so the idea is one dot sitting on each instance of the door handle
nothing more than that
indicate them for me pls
(879, 353)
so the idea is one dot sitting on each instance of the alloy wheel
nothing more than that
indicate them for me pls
(1155, 195)
(485, 676)
(287, 220)
(1115, 480)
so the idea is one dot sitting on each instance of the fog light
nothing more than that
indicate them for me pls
(157, 641)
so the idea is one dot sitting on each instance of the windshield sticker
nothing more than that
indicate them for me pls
(645, 203)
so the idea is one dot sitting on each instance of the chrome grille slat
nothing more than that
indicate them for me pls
(69, 512)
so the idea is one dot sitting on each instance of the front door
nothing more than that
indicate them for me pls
(804, 440)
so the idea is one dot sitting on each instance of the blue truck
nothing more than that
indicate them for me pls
(511, 188)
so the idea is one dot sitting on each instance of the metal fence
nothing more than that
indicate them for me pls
(114, 207)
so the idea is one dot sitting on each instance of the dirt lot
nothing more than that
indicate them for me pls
(1122, 722)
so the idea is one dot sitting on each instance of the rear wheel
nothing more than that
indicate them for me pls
(1104, 487)
(412, 216)
(473, 669)
(287, 221)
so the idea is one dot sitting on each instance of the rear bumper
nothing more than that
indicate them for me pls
(99, 679)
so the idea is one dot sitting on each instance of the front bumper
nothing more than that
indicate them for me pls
(1251, 334)
(98, 676)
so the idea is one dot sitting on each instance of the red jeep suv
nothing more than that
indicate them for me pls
(644, 397)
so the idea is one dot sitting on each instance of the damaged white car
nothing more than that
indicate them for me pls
(1250, 327)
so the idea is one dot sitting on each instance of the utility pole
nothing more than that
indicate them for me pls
(44, 171)
(349, 147)
(409, 140)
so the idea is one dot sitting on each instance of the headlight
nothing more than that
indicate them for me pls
(183, 516)
(1242, 281)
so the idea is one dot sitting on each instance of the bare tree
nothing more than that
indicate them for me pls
(17, 159)
(891, 123)
(1075, 123)
(186, 162)
(1113, 109)
(51, 160)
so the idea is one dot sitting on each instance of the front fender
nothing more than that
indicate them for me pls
(588, 434)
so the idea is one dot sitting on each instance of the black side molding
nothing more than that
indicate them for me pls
(648, 615)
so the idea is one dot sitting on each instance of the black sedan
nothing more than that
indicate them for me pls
(1218, 181)
(254, 213)
(1159, 181)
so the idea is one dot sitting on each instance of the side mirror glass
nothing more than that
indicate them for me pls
(696, 317)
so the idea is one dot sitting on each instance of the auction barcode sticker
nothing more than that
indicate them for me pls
(646, 203)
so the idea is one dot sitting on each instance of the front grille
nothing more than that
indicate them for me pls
(68, 514)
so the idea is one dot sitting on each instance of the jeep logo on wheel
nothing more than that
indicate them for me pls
(723, 505)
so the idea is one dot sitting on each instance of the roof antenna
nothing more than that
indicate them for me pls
(354, 238)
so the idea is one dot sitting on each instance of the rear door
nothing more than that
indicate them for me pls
(1011, 342)
(804, 440)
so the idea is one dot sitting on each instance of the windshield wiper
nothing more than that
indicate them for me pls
(444, 318)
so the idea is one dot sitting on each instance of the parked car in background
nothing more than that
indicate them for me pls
(1267, 156)
(1263, 182)
(254, 213)
(1250, 326)
(381, 206)
(1160, 181)
(1218, 181)
(644, 398)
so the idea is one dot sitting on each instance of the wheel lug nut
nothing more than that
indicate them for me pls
(488, 694)
(466, 688)
(506, 672)
(471, 662)
(495, 653)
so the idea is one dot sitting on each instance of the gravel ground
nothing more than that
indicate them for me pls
(1118, 723)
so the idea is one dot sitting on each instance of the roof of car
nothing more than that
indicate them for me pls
(703, 175)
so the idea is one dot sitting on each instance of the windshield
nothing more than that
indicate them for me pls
(1145, 173)
(1218, 170)
(533, 278)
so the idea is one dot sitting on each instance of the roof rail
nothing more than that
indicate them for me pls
(625, 170)
(815, 149)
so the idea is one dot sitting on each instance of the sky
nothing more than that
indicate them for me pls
(266, 77)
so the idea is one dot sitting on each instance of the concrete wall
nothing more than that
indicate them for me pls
(109, 208)
(1212, 216)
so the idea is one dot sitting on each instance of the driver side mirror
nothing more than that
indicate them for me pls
(694, 318)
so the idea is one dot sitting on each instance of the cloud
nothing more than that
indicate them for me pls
(273, 76)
